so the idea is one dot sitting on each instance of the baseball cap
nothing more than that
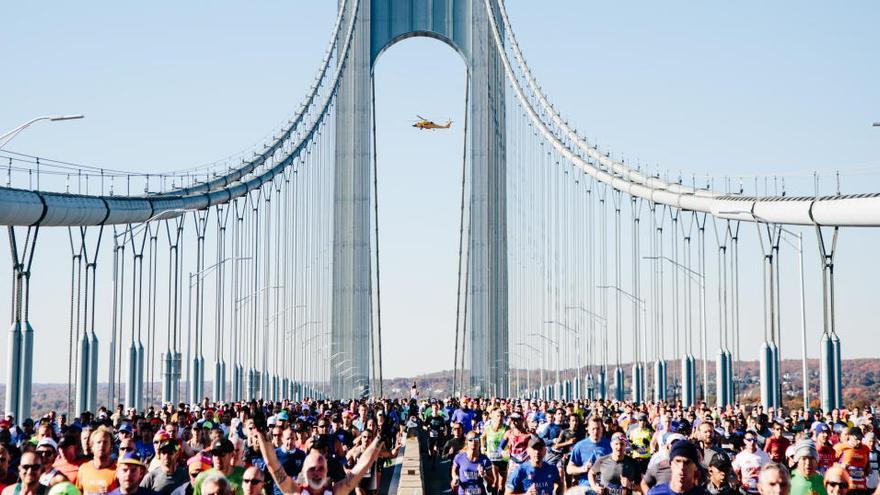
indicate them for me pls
(222, 447)
(198, 460)
(67, 441)
(283, 416)
(131, 457)
(126, 428)
(619, 437)
(720, 461)
(536, 442)
(820, 427)
(47, 442)
(161, 436)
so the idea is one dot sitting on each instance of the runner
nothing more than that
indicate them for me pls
(777, 444)
(585, 452)
(98, 476)
(827, 455)
(774, 479)
(534, 476)
(315, 478)
(130, 471)
(853, 455)
(684, 462)
(435, 425)
(47, 450)
(748, 463)
(29, 470)
(515, 442)
(718, 476)
(493, 435)
(472, 470)
(805, 480)
(615, 473)
(640, 438)
(169, 474)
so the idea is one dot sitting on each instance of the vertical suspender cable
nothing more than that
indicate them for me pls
(376, 235)
(460, 233)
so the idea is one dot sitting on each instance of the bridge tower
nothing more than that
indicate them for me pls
(463, 25)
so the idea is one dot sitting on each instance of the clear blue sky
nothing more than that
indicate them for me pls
(715, 88)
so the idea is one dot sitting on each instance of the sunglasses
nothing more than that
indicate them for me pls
(46, 453)
(749, 439)
(251, 481)
(30, 467)
(835, 484)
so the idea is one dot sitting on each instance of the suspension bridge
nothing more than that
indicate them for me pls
(223, 274)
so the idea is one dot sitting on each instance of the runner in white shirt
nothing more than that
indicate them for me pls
(748, 463)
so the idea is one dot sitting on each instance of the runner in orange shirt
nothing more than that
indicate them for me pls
(854, 456)
(98, 476)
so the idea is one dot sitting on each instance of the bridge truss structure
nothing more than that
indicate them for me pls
(262, 277)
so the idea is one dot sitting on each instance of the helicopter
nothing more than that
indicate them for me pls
(424, 124)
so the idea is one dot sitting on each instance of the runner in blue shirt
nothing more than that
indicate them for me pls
(470, 467)
(534, 472)
(587, 450)
(465, 416)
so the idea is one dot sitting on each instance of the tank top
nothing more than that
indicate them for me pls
(493, 440)
(41, 489)
(518, 445)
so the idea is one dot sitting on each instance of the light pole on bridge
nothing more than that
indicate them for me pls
(555, 344)
(604, 323)
(19, 370)
(638, 375)
(10, 135)
(537, 351)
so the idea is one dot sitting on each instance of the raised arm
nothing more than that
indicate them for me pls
(276, 470)
(357, 473)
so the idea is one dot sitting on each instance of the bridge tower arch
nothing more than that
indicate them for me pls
(464, 26)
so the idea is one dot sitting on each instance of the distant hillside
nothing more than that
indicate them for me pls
(861, 381)
(861, 384)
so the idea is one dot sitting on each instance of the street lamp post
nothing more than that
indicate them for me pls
(700, 279)
(528, 370)
(800, 250)
(555, 344)
(602, 321)
(638, 369)
(577, 345)
(10, 135)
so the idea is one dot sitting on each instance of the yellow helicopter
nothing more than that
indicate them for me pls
(424, 124)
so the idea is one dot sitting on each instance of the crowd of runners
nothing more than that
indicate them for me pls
(497, 446)
(255, 448)
(490, 446)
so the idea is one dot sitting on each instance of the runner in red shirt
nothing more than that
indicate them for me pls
(827, 455)
(776, 445)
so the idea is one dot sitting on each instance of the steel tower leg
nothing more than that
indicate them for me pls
(463, 25)
(830, 376)
(13, 368)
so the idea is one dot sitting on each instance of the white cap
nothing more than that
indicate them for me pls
(48, 441)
